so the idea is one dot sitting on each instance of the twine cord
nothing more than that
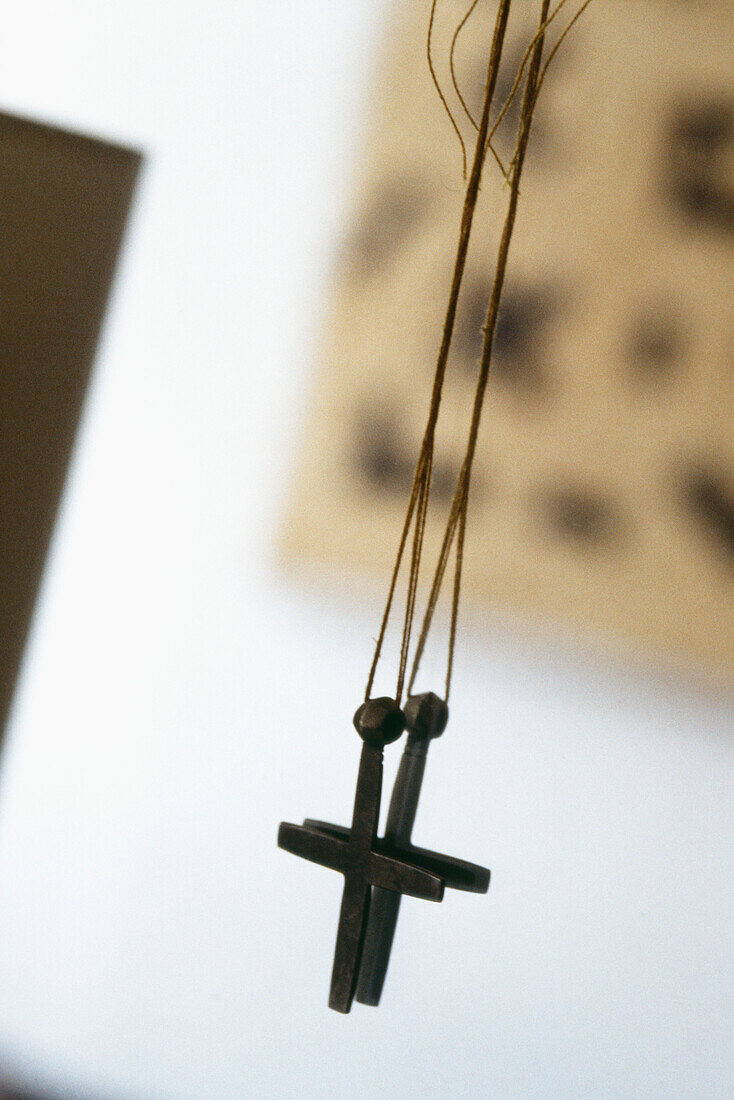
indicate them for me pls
(417, 508)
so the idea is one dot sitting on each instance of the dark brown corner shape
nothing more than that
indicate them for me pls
(64, 200)
(23, 1092)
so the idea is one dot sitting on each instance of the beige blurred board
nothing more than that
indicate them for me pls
(604, 487)
(64, 200)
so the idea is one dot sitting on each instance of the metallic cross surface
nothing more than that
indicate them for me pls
(426, 716)
(456, 873)
(385, 904)
(364, 863)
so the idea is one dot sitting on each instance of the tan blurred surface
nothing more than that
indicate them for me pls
(604, 486)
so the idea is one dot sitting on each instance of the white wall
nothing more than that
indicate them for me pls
(180, 697)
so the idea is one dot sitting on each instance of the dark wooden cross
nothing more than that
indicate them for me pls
(354, 851)
(373, 868)
(426, 716)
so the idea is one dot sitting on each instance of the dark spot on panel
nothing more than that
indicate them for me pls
(581, 516)
(384, 227)
(379, 457)
(519, 336)
(710, 497)
(700, 157)
(386, 464)
(702, 128)
(473, 90)
(654, 348)
(520, 321)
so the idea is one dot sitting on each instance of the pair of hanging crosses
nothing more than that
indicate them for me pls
(378, 871)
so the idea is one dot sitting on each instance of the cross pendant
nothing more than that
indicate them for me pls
(376, 872)
(426, 717)
(354, 852)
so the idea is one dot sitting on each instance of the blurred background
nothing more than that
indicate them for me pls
(197, 650)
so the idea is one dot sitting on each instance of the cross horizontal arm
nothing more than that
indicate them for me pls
(327, 850)
(456, 873)
(402, 878)
(327, 844)
(340, 832)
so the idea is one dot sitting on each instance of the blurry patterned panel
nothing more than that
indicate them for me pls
(605, 472)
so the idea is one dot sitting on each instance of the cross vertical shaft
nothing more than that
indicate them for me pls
(356, 897)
